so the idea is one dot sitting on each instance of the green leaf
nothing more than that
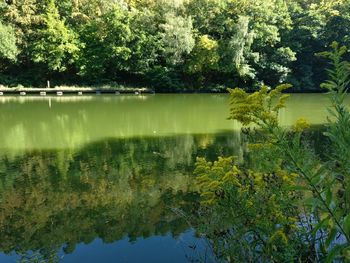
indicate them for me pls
(332, 234)
(328, 196)
(320, 225)
(346, 224)
(333, 253)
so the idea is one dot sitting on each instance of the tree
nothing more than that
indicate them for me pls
(236, 51)
(270, 55)
(204, 56)
(106, 41)
(8, 47)
(146, 42)
(55, 45)
(177, 38)
(159, 42)
(203, 59)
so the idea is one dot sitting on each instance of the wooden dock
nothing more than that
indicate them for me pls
(71, 91)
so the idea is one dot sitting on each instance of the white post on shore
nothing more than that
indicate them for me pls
(48, 84)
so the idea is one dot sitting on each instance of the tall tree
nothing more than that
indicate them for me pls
(106, 41)
(55, 45)
(236, 50)
(177, 38)
(8, 47)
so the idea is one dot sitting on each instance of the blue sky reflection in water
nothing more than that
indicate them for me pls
(156, 249)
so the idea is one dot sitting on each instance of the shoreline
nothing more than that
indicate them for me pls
(60, 91)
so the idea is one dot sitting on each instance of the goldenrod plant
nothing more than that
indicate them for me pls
(285, 203)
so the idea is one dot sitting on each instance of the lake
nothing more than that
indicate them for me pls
(109, 178)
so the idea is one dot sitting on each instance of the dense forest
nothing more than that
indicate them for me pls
(170, 45)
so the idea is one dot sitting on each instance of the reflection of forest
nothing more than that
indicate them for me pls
(107, 190)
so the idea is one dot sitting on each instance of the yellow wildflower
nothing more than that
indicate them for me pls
(301, 125)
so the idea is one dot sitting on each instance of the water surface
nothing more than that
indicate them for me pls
(110, 177)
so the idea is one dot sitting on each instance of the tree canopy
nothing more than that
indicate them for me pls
(169, 45)
(8, 48)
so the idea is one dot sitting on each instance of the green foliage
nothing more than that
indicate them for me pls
(106, 48)
(250, 210)
(204, 56)
(203, 60)
(259, 107)
(8, 48)
(314, 191)
(339, 73)
(237, 48)
(189, 44)
(145, 45)
(56, 45)
(315, 25)
(177, 39)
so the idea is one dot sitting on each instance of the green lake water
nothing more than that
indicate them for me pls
(109, 178)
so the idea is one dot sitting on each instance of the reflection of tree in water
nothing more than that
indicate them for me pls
(44, 256)
(108, 190)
